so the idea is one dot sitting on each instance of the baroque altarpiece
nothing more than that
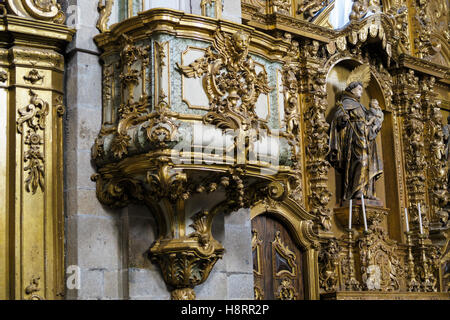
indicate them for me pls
(335, 139)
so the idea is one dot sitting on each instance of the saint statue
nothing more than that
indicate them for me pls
(446, 133)
(353, 148)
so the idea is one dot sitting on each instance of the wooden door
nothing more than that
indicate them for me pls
(277, 261)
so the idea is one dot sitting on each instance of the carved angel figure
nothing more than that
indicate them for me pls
(353, 149)
(230, 80)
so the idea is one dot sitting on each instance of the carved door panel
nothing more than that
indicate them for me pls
(277, 261)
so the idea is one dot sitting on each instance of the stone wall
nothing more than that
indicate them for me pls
(92, 231)
(109, 246)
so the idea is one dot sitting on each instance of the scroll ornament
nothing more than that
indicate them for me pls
(34, 116)
(46, 10)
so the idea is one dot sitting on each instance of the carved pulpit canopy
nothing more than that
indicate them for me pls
(47, 10)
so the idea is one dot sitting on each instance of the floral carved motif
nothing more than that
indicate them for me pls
(436, 158)
(286, 290)
(230, 81)
(33, 76)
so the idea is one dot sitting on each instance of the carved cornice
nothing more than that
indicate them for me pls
(440, 72)
(188, 25)
(38, 33)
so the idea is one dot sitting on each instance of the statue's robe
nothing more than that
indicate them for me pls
(353, 149)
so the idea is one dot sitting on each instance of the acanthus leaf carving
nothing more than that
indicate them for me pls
(286, 290)
(317, 137)
(117, 191)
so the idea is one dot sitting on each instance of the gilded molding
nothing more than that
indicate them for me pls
(256, 248)
(32, 97)
(283, 250)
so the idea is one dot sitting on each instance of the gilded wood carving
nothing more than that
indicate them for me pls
(230, 81)
(328, 265)
(105, 10)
